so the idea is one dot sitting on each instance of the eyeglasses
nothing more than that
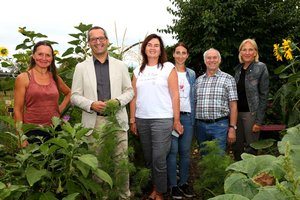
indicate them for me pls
(101, 39)
(247, 50)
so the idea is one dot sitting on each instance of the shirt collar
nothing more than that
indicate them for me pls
(218, 73)
(94, 59)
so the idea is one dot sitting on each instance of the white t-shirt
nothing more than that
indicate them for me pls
(153, 97)
(184, 92)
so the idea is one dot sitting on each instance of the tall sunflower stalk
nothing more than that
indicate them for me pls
(288, 96)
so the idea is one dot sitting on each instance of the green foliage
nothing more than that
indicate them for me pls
(202, 24)
(267, 177)
(212, 170)
(287, 98)
(61, 167)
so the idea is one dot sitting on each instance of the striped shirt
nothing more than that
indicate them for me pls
(213, 95)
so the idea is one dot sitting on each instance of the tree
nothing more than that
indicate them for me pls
(223, 24)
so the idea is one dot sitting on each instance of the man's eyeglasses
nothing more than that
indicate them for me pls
(101, 39)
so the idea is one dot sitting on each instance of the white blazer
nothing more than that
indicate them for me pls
(84, 90)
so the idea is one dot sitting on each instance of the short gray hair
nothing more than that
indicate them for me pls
(211, 49)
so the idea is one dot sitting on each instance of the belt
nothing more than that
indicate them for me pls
(101, 114)
(185, 113)
(209, 121)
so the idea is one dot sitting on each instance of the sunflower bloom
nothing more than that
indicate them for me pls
(288, 54)
(56, 52)
(3, 51)
(286, 44)
(276, 52)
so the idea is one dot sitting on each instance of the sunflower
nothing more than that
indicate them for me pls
(277, 52)
(288, 54)
(56, 52)
(286, 44)
(3, 51)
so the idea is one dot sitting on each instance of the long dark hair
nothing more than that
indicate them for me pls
(162, 57)
(52, 67)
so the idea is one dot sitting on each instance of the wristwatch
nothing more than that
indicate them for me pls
(233, 126)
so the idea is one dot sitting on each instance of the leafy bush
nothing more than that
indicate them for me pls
(267, 177)
(212, 170)
(61, 167)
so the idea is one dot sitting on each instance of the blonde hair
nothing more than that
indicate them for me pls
(251, 41)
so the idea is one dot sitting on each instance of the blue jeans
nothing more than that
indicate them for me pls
(181, 145)
(211, 131)
(155, 137)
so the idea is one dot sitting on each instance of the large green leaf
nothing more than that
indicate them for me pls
(90, 160)
(48, 196)
(58, 141)
(270, 192)
(292, 137)
(71, 196)
(229, 197)
(104, 176)
(263, 144)
(237, 183)
(84, 168)
(68, 52)
(82, 132)
(256, 164)
(33, 175)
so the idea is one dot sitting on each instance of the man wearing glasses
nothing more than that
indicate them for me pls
(100, 78)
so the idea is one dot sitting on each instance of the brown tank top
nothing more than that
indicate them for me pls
(41, 102)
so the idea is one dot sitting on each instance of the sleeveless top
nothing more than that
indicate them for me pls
(41, 102)
(153, 100)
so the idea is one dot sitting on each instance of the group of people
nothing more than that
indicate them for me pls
(168, 105)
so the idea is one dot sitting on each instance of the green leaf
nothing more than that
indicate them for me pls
(263, 144)
(2, 185)
(83, 27)
(238, 183)
(56, 121)
(33, 175)
(48, 196)
(6, 64)
(68, 52)
(67, 127)
(229, 197)
(292, 136)
(104, 176)
(71, 196)
(84, 168)
(60, 142)
(74, 42)
(270, 192)
(82, 132)
(257, 164)
(77, 35)
(90, 160)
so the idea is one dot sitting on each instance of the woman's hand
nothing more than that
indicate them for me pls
(256, 128)
(178, 127)
(133, 128)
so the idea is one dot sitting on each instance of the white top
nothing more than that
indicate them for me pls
(153, 98)
(184, 92)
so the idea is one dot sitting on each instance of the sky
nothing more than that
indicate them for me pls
(56, 18)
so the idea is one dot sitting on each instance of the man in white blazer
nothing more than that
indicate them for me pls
(100, 78)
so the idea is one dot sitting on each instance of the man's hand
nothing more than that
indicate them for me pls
(98, 106)
(231, 138)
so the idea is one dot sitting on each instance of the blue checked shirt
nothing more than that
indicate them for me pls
(213, 95)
